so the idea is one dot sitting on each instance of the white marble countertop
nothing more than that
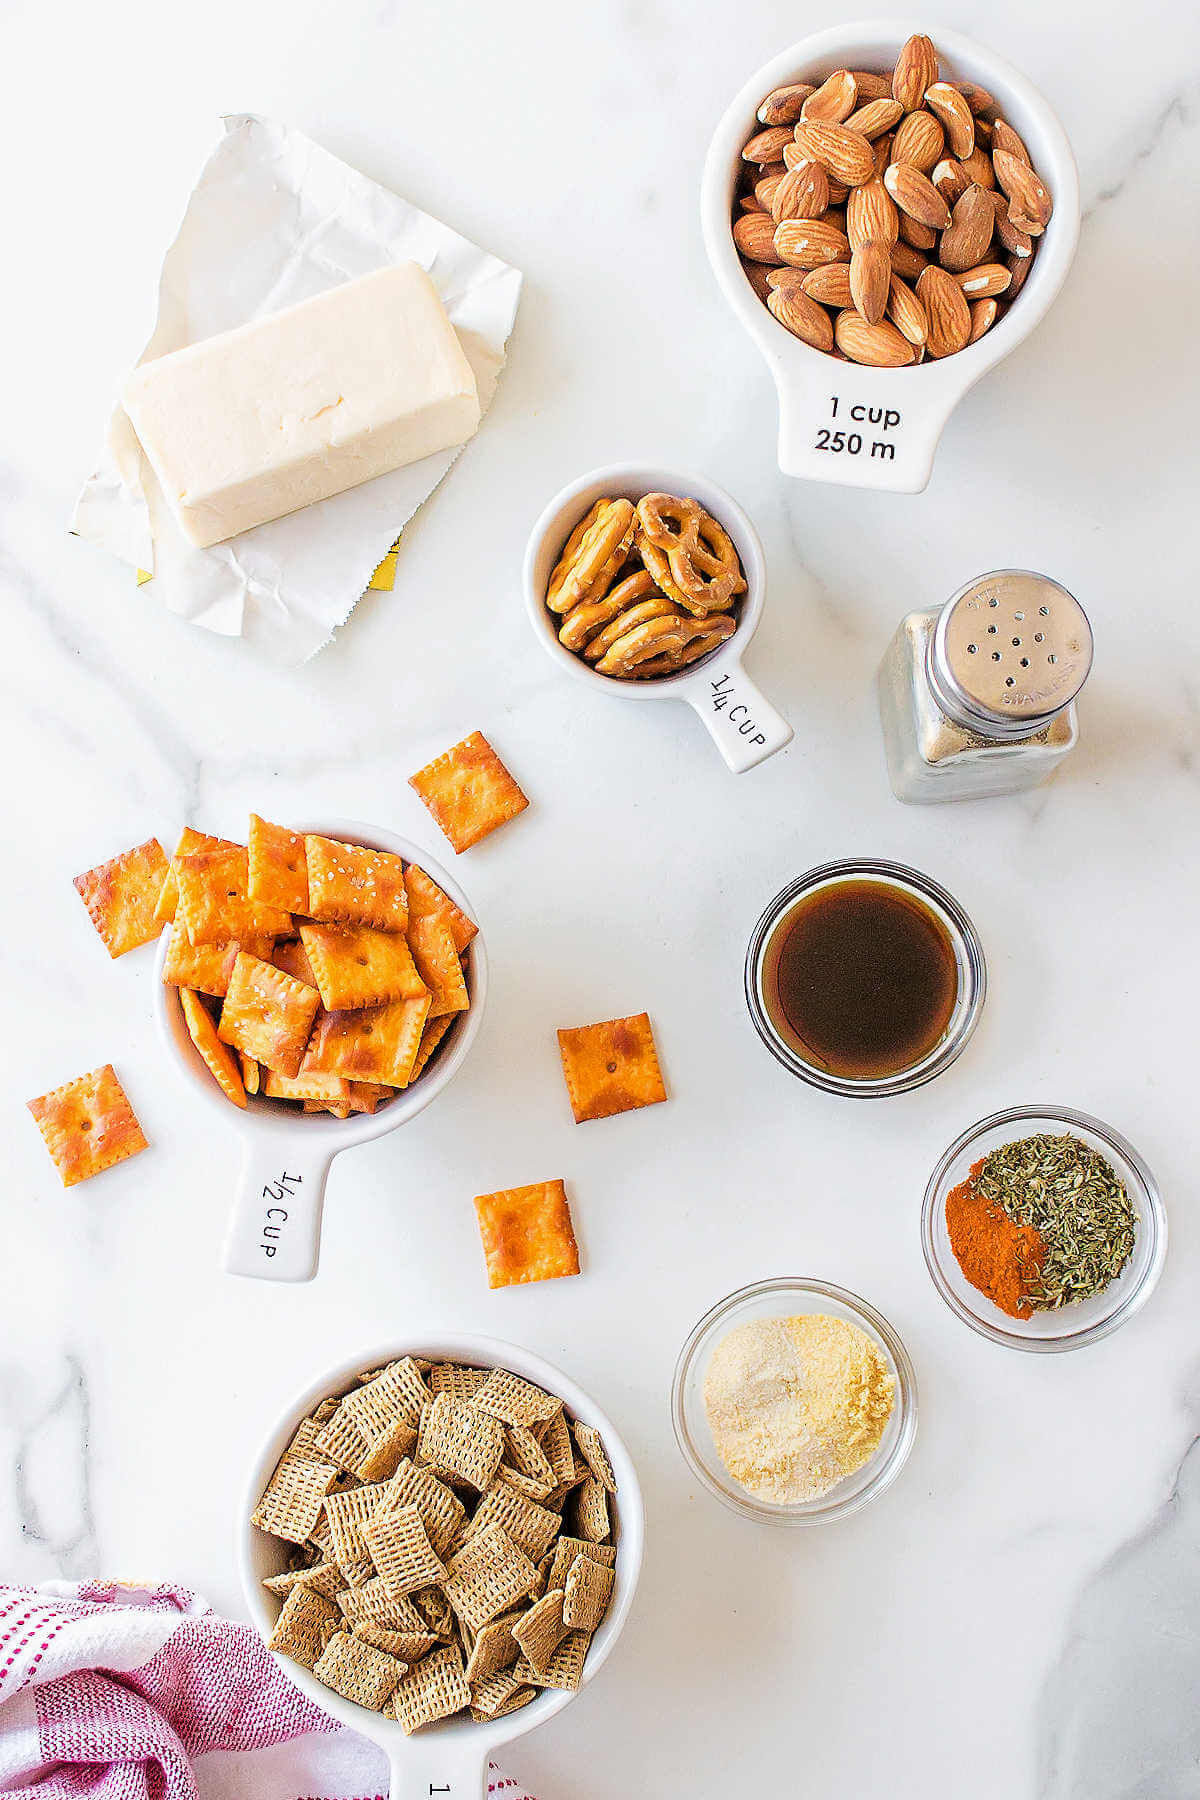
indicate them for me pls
(1017, 1617)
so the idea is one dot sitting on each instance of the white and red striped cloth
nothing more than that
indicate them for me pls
(115, 1692)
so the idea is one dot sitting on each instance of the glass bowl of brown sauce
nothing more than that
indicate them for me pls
(865, 978)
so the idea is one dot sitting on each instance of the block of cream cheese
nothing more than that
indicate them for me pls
(304, 403)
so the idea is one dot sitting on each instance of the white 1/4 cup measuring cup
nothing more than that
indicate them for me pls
(840, 421)
(743, 724)
(448, 1759)
(275, 1229)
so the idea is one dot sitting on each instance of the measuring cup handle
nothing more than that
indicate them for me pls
(275, 1231)
(427, 1770)
(741, 721)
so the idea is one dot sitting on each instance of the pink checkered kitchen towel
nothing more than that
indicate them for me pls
(132, 1693)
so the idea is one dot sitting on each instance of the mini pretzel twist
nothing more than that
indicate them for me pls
(664, 641)
(689, 555)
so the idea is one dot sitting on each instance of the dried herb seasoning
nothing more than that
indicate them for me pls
(1077, 1204)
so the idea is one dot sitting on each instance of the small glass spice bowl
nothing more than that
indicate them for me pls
(968, 956)
(784, 1298)
(1085, 1321)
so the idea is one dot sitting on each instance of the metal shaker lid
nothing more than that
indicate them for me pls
(1013, 647)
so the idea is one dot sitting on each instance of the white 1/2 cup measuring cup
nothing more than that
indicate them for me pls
(449, 1759)
(743, 724)
(840, 421)
(275, 1228)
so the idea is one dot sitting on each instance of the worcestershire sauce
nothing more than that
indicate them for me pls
(861, 979)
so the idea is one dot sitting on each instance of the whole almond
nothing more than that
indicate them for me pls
(1009, 236)
(846, 154)
(907, 262)
(906, 312)
(782, 105)
(916, 69)
(802, 193)
(985, 281)
(1018, 268)
(950, 180)
(983, 317)
(946, 309)
(871, 215)
(834, 100)
(767, 146)
(802, 316)
(958, 121)
(830, 284)
(870, 85)
(977, 98)
(1029, 202)
(754, 235)
(878, 346)
(876, 117)
(870, 280)
(921, 237)
(1006, 139)
(807, 243)
(978, 168)
(965, 242)
(766, 189)
(916, 195)
(920, 141)
(757, 275)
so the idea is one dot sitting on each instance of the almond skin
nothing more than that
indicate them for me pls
(906, 312)
(916, 69)
(767, 146)
(845, 154)
(978, 168)
(871, 85)
(920, 141)
(878, 346)
(807, 243)
(830, 284)
(950, 179)
(802, 193)
(802, 316)
(965, 243)
(871, 215)
(916, 195)
(957, 119)
(1029, 203)
(782, 105)
(984, 282)
(907, 261)
(1018, 268)
(766, 189)
(946, 309)
(1006, 139)
(983, 317)
(834, 100)
(1009, 236)
(876, 117)
(754, 235)
(921, 237)
(977, 98)
(870, 280)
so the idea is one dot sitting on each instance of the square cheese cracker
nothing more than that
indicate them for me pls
(122, 896)
(527, 1234)
(214, 898)
(217, 1057)
(469, 791)
(351, 885)
(427, 900)
(358, 966)
(611, 1067)
(277, 872)
(88, 1125)
(267, 1014)
(376, 1044)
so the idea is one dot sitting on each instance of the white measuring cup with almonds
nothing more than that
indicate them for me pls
(275, 1227)
(449, 1758)
(840, 421)
(742, 722)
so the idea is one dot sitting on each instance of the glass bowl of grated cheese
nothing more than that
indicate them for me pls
(794, 1402)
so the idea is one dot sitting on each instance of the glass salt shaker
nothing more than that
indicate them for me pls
(978, 696)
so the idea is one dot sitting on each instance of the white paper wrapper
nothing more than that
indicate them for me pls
(275, 219)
